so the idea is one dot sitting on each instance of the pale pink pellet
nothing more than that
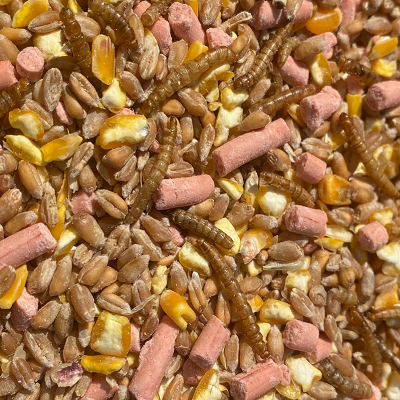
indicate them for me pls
(30, 63)
(321, 351)
(192, 373)
(135, 337)
(310, 168)
(301, 336)
(99, 388)
(306, 221)
(383, 95)
(294, 73)
(7, 74)
(216, 37)
(84, 203)
(23, 310)
(372, 237)
(62, 114)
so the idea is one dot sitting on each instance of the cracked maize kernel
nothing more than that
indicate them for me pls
(103, 59)
(102, 364)
(59, 227)
(123, 130)
(133, 359)
(61, 149)
(253, 241)
(383, 154)
(209, 78)
(334, 190)
(16, 289)
(232, 188)
(68, 239)
(63, 193)
(225, 226)
(329, 243)
(324, 21)
(191, 257)
(393, 387)
(384, 216)
(28, 122)
(29, 10)
(213, 95)
(294, 111)
(50, 44)
(265, 327)
(298, 279)
(385, 68)
(391, 255)
(226, 120)
(114, 97)
(176, 307)
(354, 101)
(387, 299)
(194, 4)
(160, 279)
(320, 70)
(256, 303)
(276, 312)
(382, 47)
(208, 387)
(195, 49)
(270, 395)
(231, 98)
(252, 268)
(335, 139)
(111, 335)
(338, 232)
(272, 201)
(292, 391)
(24, 148)
(74, 6)
(302, 372)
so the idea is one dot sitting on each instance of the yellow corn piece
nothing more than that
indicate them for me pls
(265, 327)
(393, 386)
(103, 59)
(111, 335)
(63, 193)
(231, 187)
(176, 307)
(250, 191)
(194, 5)
(272, 201)
(385, 68)
(74, 6)
(226, 120)
(114, 97)
(329, 243)
(5, 2)
(339, 232)
(383, 154)
(24, 148)
(133, 359)
(50, 44)
(191, 257)
(213, 95)
(231, 98)
(102, 364)
(29, 10)
(208, 387)
(253, 241)
(123, 130)
(256, 303)
(16, 289)
(61, 149)
(241, 229)
(298, 279)
(382, 47)
(276, 312)
(160, 279)
(252, 268)
(294, 111)
(302, 372)
(28, 122)
(67, 240)
(292, 391)
(390, 253)
(320, 70)
(392, 169)
(384, 216)
(59, 227)
(225, 226)
(335, 139)
(354, 101)
(195, 49)
(36, 209)
(334, 190)
(387, 298)
(212, 76)
(324, 21)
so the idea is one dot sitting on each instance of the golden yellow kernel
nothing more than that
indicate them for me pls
(195, 49)
(16, 289)
(24, 148)
(102, 364)
(354, 101)
(59, 227)
(324, 20)
(225, 226)
(103, 59)
(61, 149)
(29, 10)
(334, 190)
(67, 240)
(320, 70)
(28, 122)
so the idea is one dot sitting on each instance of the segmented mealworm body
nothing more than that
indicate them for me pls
(345, 296)
(373, 170)
(354, 68)
(264, 57)
(388, 354)
(288, 46)
(236, 296)
(160, 8)
(385, 313)
(80, 48)
(343, 384)
(369, 338)
(183, 76)
(298, 193)
(11, 97)
(273, 104)
(117, 21)
(159, 170)
(202, 227)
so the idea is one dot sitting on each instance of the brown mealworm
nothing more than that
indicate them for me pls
(373, 170)
(364, 74)
(10, 97)
(154, 11)
(202, 228)
(288, 46)
(388, 354)
(385, 313)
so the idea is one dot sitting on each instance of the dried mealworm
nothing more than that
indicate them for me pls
(235, 295)
(299, 194)
(202, 227)
(273, 104)
(158, 173)
(116, 21)
(343, 384)
(264, 58)
(80, 48)
(374, 171)
(388, 354)
(364, 74)
(369, 338)
(288, 46)
(10, 97)
(385, 313)
(183, 75)
(154, 11)
(345, 296)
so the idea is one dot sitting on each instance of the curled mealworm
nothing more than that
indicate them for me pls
(354, 68)
(202, 227)
(159, 171)
(236, 296)
(374, 171)
(288, 46)
(183, 75)
(343, 384)
(10, 97)
(298, 193)
(385, 313)
(275, 103)
(154, 11)
(369, 338)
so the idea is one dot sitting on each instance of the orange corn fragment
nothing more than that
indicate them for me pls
(103, 59)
